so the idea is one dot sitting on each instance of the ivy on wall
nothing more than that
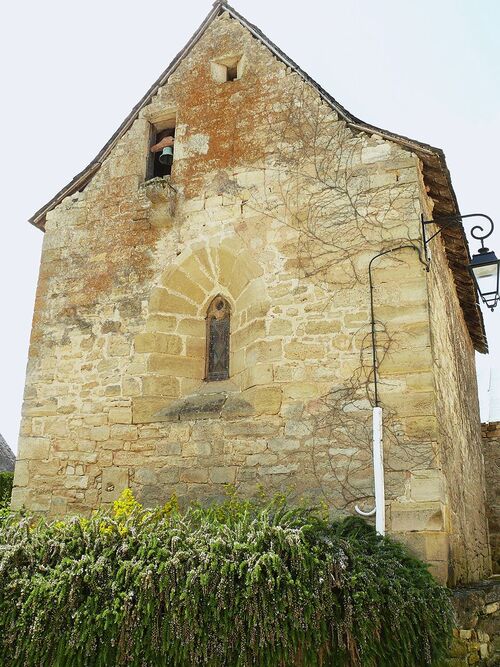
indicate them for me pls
(235, 584)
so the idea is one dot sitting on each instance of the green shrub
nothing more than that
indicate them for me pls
(232, 585)
(6, 479)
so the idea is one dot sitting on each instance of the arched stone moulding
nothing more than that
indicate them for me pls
(175, 338)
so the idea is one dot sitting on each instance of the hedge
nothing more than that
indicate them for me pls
(235, 584)
(6, 479)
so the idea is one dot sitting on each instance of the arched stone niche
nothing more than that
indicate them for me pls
(174, 386)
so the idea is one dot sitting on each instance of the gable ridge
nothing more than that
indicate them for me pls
(219, 7)
(435, 171)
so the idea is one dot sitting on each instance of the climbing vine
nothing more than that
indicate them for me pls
(337, 213)
(239, 583)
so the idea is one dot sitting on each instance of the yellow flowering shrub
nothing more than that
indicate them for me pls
(125, 505)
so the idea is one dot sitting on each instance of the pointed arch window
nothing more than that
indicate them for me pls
(218, 338)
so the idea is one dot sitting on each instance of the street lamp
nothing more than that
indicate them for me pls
(485, 269)
(484, 266)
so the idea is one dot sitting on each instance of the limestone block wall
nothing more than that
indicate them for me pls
(491, 451)
(457, 423)
(283, 224)
(476, 638)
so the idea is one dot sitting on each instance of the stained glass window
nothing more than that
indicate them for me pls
(218, 336)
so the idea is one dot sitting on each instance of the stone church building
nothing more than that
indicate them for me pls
(203, 312)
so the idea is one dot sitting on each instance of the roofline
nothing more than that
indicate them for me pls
(469, 306)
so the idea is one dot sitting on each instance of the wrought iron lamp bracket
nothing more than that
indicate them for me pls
(484, 264)
(477, 232)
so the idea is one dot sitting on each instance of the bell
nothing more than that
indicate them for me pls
(167, 155)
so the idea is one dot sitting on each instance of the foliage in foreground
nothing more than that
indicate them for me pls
(6, 479)
(235, 584)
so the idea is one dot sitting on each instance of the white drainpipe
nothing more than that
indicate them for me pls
(378, 472)
(378, 450)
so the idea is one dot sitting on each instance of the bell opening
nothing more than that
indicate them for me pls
(160, 163)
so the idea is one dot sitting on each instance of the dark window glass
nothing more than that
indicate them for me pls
(218, 337)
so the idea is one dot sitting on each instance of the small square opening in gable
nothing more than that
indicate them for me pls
(227, 69)
(232, 73)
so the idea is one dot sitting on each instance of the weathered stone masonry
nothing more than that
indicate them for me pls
(477, 636)
(115, 392)
(491, 449)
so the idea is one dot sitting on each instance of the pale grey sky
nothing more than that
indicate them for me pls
(71, 72)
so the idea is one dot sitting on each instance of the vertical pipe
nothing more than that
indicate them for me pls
(378, 468)
(377, 430)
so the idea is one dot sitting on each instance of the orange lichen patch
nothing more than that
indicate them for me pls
(125, 250)
(47, 272)
(98, 282)
(115, 252)
(217, 110)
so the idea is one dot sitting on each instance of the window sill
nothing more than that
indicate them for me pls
(209, 402)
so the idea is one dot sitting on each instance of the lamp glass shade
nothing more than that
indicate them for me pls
(485, 268)
(485, 271)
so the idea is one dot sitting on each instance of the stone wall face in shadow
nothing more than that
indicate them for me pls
(491, 449)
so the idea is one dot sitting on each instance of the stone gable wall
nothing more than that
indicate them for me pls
(115, 394)
(491, 451)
